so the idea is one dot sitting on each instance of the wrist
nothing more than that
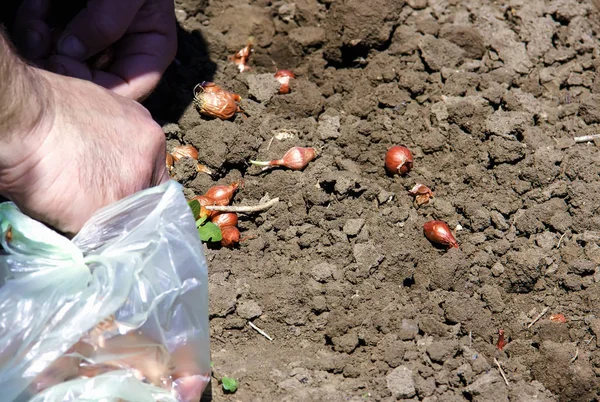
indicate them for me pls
(26, 100)
(26, 121)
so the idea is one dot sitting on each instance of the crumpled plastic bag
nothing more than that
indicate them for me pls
(120, 312)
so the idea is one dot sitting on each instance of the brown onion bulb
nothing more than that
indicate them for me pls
(214, 101)
(231, 236)
(225, 219)
(502, 342)
(439, 232)
(222, 195)
(398, 160)
(242, 56)
(184, 151)
(204, 201)
(284, 76)
(422, 194)
(296, 158)
(169, 161)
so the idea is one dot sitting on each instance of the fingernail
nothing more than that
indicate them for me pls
(32, 39)
(72, 47)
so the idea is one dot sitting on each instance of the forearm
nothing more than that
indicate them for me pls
(22, 99)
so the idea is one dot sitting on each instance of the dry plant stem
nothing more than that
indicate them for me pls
(501, 371)
(243, 208)
(540, 315)
(586, 138)
(260, 331)
(575, 357)
(561, 239)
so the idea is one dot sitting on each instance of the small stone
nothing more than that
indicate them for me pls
(497, 269)
(180, 15)
(401, 382)
(262, 87)
(248, 309)
(322, 272)
(384, 196)
(353, 226)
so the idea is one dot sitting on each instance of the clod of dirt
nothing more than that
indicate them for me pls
(508, 124)
(506, 151)
(409, 330)
(223, 299)
(488, 384)
(446, 270)
(524, 269)
(329, 127)
(582, 267)
(308, 37)
(401, 382)
(185, 170)
(417, 4)
(345, 343)
(353, 226)
(367, 256)
(590, 109)
(438, 53)
(305, 100)
(322, 272)
(553, 368)
(363, 25)
(468, 38)
(262, 87)
(248, 309)
(442, 350)
(492, 297)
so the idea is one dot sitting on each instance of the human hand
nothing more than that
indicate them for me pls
(141, 34)
(89, 148)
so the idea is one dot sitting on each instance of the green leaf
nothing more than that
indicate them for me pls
(210, 232)
(201, 221)
(195, 206)
(229, 384)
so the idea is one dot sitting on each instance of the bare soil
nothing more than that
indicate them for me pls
(361, 307)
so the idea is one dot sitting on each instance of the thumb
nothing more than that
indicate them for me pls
(99, 25)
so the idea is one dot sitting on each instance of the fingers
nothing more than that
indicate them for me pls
(98, 26)
(33, 36)
(137, 88)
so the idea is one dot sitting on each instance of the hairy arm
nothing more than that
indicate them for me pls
(23, 97)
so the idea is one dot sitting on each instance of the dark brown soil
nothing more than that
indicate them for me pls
(361, 307)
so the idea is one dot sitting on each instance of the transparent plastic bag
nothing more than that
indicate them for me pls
(120, 312)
